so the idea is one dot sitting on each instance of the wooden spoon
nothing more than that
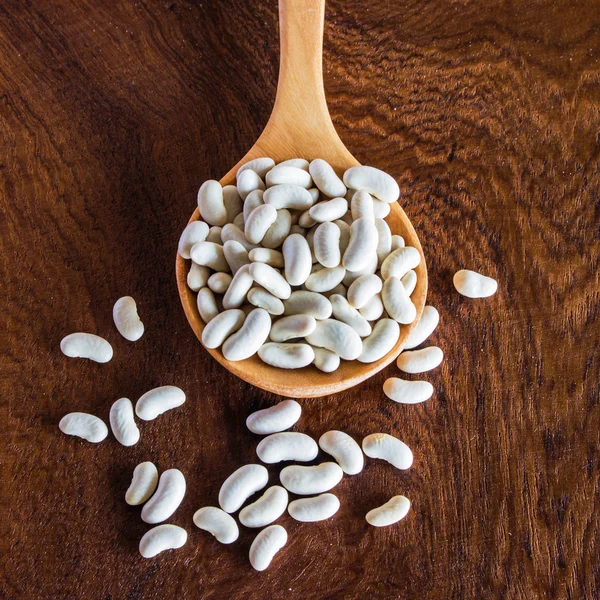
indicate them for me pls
(300, 127)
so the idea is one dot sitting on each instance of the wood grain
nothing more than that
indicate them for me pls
(112, 115)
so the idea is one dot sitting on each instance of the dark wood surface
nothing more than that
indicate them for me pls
(113, 113)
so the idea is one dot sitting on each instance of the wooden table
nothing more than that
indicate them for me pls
(114, 112)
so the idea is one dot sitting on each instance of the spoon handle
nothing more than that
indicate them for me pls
(300, 96)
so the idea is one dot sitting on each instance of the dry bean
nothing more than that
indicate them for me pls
(397, 302)
(362, 206)
(297, 259)
(407, 392)
(197, 277)
(391, 512)
(248, 181)
(157, 401)
(286, 356)
(278, 447)
(336, 337)
(166, 499)
(397, 242)
(261, 166)
(246, 342)
(286, 174)
(143, 484)
(306, 481)
(218, 523)
(252, 201)
(270, 257)
(160, 538)
(344, 449)
(369, 269)
(399, 262)
(265, 545)
(209, 254)
(214, 235)
(207, 305)
(279, 231)
(376, 182)
(86, 345)
(258, 223)
(275, 418)
(268, 508)
(221, 327)
(299, 163)
(122, 422)
(85, 426)
(238, 288)
(373, 309)
(294, 326)
(232, 202)
(271, 280)
(326, 179)
(325, 360)
(409, 281)
(363, 288)
(233, 233)
(288, 196)
(345, 313)
(308, 303)
(219, 282)
(388, 448)
(195, 232)
(235, 255)
(474, 285)
(311, 510)
(327, 244)
(383, 339)
(380, 209)
(325, 279)
(420, 361)
(240, 485)
(384, 244)
(425, 327)
(329, 210)
(362, 245)
(210, 203)
(263, 299)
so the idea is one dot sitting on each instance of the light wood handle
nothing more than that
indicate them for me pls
(300, 96)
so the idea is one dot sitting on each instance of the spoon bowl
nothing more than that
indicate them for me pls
(300, 127)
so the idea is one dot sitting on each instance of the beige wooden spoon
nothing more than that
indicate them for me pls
(300, 127)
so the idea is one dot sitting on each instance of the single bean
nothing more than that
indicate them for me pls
(157, 401)
(407, 392)
(122, 422)
(218, 523)
(160, 538)
(85, 426)
(143, 484)
(388, 448)
(86, 345)
(166, 499)
(275, 418)
(240, 485)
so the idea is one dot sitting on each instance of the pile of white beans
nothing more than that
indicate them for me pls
(299, 266)
(313, 484)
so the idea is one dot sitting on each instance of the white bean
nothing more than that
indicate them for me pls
(362, 206)
(209, 254)
(327, 244)
(362, 245)
(278, 232)
(218, 523)
(306, 481)
(233, 233)
(126, 319)
(268, 508)
(275, 418)
(391, 512)
(345, 313)
(297, 259)
(219, 282)
(325, 279)
(143, 484)
(336, 337)
(261, 166)
(420, 361)
(239, 221)
(157, 401)
(363, 288)
(344, 449)
(325, 360)
(285, 174)
(384, 243)
(308, 303)
(330, 210)
(326, 179)
(397, 242)
(238, 288)
(374, 181)
(83, 425)
(271, 280)
(166, 499)
(311, 510)
(210, 203)
(384, 337)
(407, 392)
(214, 235)
(286, 356)
(288, 445)
(427, 323)
(380, 209)
(474, 285)
(235, 255)
(305, 219)
(240, 485)
(195, 232)
(248, 181)
(373, 309)
(409, 281)
(294, 326)
(197, 277)
(122, 422)
(258, 222)
(288, 196)
(86, 345)
(246, 342)
(397, 302)
(270, 257)
(232, 202)
(300, 163)
(263, 299)
(161, 538)
(221, 327)
(252, 201)
(388, 448)
(399, 262)
(265, 545)
(207, 305)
